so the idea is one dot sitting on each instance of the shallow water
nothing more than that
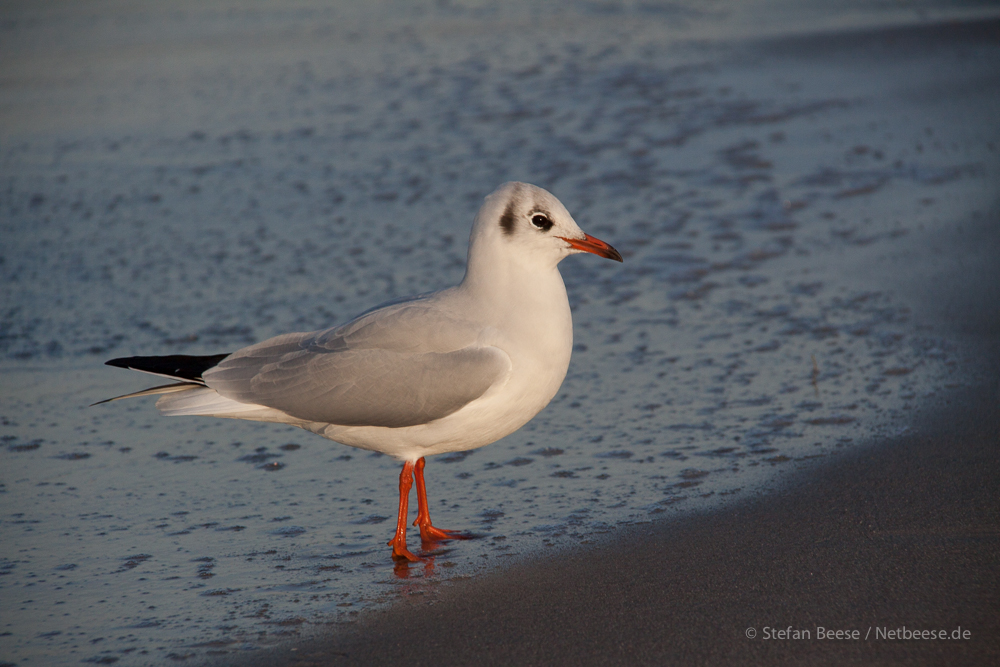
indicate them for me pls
(195, 179)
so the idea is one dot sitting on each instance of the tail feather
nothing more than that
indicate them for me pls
(190, 396)
(162, 389)
(206, 402)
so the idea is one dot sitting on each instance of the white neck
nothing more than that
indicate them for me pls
(524, 299)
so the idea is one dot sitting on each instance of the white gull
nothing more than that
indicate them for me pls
(448, 371)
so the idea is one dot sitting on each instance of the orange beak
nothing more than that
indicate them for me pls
(594, 245)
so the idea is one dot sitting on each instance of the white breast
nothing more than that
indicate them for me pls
(535, 329)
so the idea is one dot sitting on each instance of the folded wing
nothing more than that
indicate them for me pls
(359, 376)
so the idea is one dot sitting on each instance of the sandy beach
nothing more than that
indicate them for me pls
(838, 551)
(781, 414)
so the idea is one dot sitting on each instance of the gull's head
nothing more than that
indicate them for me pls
(528, 225)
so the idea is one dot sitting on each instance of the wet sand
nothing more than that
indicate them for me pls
(849, 547)
(900, 534)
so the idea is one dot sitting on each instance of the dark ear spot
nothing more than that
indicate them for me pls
(507, 219)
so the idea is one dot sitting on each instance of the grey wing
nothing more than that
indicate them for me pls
(358, 387)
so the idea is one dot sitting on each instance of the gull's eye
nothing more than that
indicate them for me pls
(541, 221)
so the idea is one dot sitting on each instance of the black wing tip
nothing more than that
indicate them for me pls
(179, 366)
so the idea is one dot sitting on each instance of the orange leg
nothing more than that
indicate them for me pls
(428, 533)
(398, 543)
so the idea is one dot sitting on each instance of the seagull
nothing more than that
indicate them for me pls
(446, 371)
